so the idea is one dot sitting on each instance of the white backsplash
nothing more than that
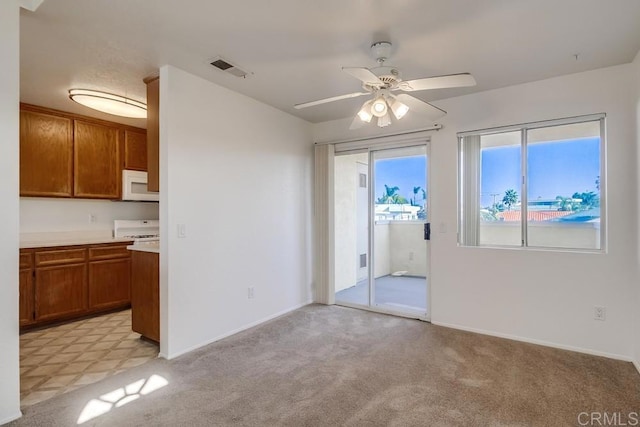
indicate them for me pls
(44, 215)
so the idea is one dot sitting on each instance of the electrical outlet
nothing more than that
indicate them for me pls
(93, 218)
(410, 256)
(250, 292)
(599, 313)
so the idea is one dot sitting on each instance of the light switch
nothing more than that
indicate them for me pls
(182, 231)
(443, 227)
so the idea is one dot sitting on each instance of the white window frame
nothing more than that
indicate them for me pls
(523, 128)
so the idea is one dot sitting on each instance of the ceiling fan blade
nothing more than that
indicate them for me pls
(421, 107)
(326, 100)
(364, 75)
(440, 82)
(357, 123)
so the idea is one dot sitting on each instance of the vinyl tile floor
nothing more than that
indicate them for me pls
(62, 358)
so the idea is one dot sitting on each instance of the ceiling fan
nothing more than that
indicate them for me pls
(382, 80)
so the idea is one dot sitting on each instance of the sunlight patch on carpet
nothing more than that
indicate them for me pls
(120, 397)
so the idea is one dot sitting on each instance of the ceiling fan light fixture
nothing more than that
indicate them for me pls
(109, 103)
(379, 107)
(384, 120)
(399, 109)
(365, 112)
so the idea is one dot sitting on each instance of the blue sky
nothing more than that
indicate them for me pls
(404, 172)
(558, 168)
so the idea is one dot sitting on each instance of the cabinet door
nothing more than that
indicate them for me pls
(135, 150)
(145, 294)
(46, 155)
(26, 297)
(60, 291)
(153, 134)
(109, 283)
(96, 156)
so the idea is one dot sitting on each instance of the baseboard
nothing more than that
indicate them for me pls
(10, 418)
(538, 342)
(235, 331)
(637, 365)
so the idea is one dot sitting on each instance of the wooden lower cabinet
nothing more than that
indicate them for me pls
(63, 283)
(26, 298)
(145, 294)
(60, 291)
(109, 283)
(26, 301)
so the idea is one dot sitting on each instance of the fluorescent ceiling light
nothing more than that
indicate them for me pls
(109, 103)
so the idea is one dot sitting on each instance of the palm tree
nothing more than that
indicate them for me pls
(399, 200)
(564, 203)
(389, 196)
(586, 200)
(415, 196)
(510, 198)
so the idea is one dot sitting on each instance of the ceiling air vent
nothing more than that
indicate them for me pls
(227, 67)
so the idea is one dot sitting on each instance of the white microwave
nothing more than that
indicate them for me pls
(134, 187)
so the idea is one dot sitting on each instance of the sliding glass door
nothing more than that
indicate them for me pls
(381, 211)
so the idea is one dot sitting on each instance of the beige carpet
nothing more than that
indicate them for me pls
(334, 366)
(62, 358)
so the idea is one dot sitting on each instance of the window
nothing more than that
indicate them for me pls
(536, 185)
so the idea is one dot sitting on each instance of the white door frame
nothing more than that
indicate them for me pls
(370, 149)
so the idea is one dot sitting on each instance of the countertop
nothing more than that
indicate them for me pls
(67, 238)
(153, 247)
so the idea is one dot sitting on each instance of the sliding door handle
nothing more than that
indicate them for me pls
(427, 231)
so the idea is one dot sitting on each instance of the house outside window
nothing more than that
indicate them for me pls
(537, 185)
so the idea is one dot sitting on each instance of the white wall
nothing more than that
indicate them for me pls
(499, 291)
(346, 225)
(408, 249)
(9, 161)
(345, 222)
(550, 234)
(48, 214)
(636, 303)
(382, 249)
(238, 174)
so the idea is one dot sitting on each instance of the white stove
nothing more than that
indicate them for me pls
(140, 231)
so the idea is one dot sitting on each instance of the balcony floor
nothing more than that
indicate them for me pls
(399, 293)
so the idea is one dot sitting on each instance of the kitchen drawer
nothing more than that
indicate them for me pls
(26, 260)
(60, 256)
(109, 252)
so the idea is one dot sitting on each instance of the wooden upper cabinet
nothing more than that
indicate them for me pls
(135, 150)
(46, 155)
(68, 155)
(153, 134)
(96, 157)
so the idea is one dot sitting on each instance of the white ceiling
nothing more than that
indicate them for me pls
(295, 49)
